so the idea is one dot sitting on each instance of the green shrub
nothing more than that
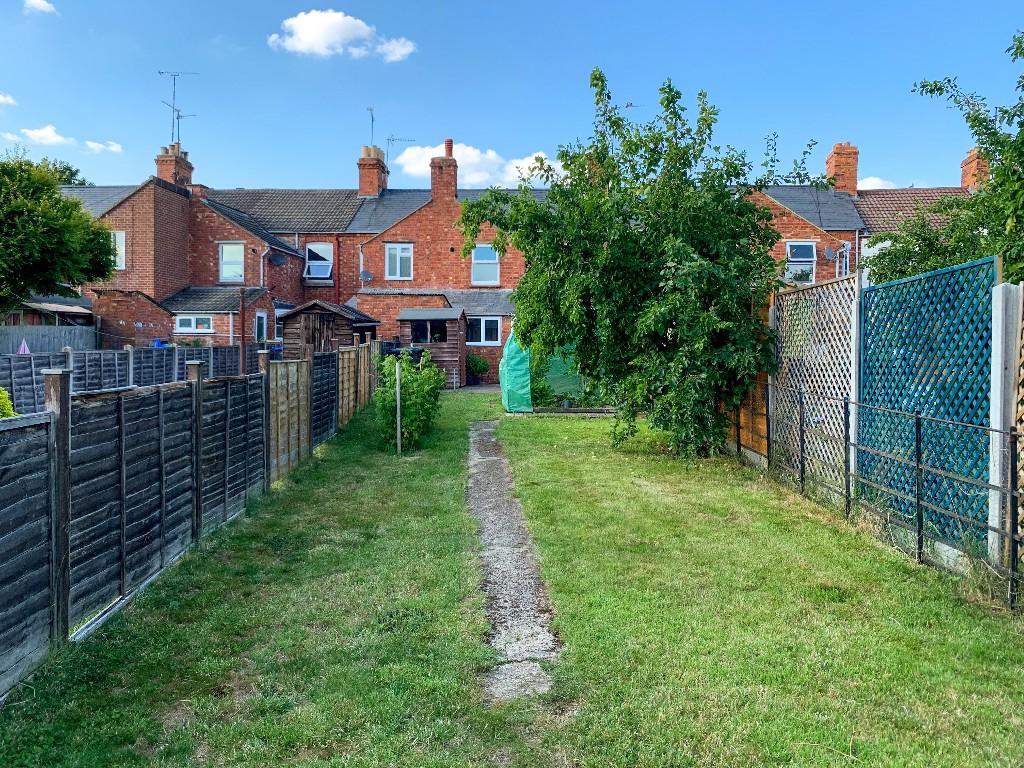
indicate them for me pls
(421, 396)
(477, 365)
(6, 406)
(540, 391)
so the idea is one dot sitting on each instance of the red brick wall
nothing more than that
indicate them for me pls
(792, 227)
(492, 354)
(170, 243)
(130, 317)
(227, 326)
(209, 228)
(436, 260)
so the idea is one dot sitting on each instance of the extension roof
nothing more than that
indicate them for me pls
(475, 301)
(827, 209)
(431, 313)
(293, 210)
(212, 299)
(883, 210)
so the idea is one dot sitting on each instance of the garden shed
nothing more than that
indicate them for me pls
(321, 326)
(442, 331)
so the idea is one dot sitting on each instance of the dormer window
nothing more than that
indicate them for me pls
(319, 261)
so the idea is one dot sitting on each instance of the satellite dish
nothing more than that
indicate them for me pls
(830, 255)
(277, 259)
(366, 276)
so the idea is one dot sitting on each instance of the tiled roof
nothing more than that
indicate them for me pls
(98, 200)
(293, 210)
(248, 223)
(209, 299)
(376, 214)
(883, 210)
(430, 313)
(476, 301)
(827, 209)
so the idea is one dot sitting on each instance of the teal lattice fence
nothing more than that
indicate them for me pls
(926, 346)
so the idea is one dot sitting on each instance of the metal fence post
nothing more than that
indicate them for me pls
(768, 422)
(194, 374)
(802, 440)
(398, 406)
(57, 397)
(846, 455)
(1013, 523)
(919, 491)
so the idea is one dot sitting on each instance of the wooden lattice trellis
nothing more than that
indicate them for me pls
(926, 346)
(814, 326)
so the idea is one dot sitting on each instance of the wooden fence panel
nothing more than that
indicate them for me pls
(25, 530)
(21, 376)
(178, 453)
(96, 370)
(289, 408)
(46, 338)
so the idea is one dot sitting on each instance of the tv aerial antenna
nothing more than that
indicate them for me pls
(372, 120)
(175, 112)
(178, 117)
(392, 139)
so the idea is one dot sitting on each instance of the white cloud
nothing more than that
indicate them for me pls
(875, 182)
(477, 167)
(38, 6)
(6, 100)
(8, 136)
(335, 33)
(104, 146)
(396, 49)
(47, 136)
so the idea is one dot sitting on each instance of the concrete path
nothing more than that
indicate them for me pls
(517, 600)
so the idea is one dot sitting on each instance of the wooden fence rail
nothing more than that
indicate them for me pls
(102, 491)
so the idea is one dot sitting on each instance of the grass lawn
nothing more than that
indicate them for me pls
(714, 619)
(711, 619)
(339, 623)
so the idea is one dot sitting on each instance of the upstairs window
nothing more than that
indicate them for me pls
(120, 259)
(429, 331)
(483, 331)
(485, 266)
(800, 262)
(398, 258)
(232, 262)
(319, 261)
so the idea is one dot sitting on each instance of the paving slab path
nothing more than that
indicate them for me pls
(518, 607)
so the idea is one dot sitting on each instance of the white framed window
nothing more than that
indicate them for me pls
(260, 329)
(483, 331)
(120, 257)
(801, 259)
(485, 269)
(398, 261)
(319, 261)
(232, 262)
(196, 324)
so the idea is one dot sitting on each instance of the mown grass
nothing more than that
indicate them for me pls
(713, 619)
(338, 623)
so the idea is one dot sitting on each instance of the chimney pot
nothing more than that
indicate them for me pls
(449, 147)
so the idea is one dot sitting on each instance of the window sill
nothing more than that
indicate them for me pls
(402, 279)
(322, 282)
(483, 343)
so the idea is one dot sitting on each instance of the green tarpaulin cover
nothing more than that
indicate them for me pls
(514, 376)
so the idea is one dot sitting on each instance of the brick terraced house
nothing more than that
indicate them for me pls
(188, 253)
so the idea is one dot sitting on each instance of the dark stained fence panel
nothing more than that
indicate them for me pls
(25, 520)
(21, 376)
(178, 481)
(153, 366)
(95, 506)
(96, 370)
(325, 396)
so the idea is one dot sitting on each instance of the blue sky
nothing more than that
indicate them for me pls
(282, 93)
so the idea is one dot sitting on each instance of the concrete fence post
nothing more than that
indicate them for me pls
(1006, 334)
(263, 366)
(57, 397)
(131, 364)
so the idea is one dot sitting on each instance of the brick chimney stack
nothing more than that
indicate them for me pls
(444, 174)
(373, 172)
(172, 165)
(841, 165)
(974, 170)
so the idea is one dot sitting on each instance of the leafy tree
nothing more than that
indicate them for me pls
(649, 254)
(66, 173)
(421, 397)
(48, 243)
(988, 222)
